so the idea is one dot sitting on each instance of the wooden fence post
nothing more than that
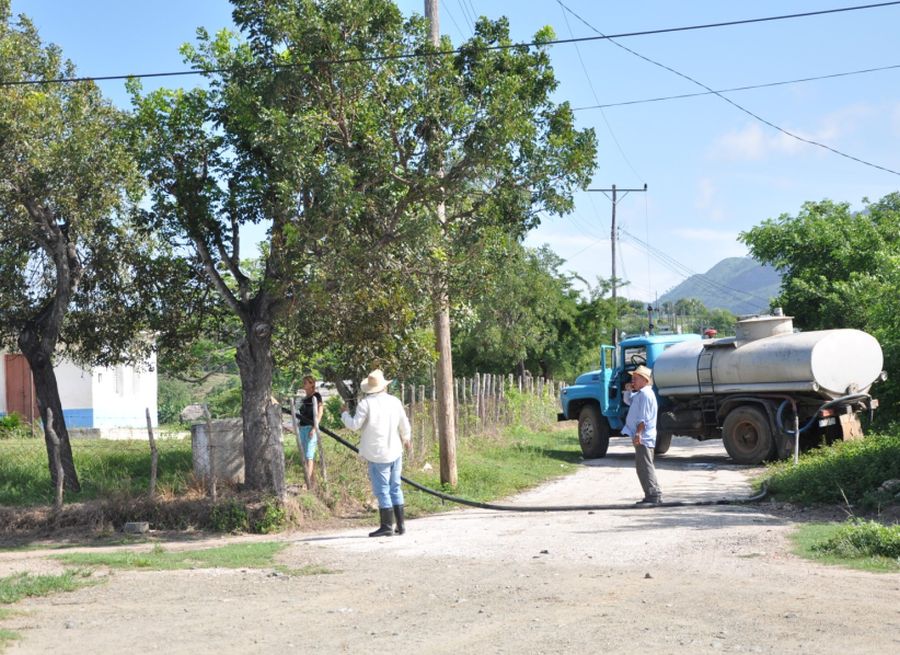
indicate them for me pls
(315, 404)
(424, 418)
(476, 397)
(154, 455)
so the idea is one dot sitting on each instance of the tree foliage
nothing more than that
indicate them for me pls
(72, 262)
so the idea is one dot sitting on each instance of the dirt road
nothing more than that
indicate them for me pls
(665, 580)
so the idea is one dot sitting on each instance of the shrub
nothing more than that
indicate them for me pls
(225, 400)
(863, 539)
(271, 517)
(230, 516)
(848, 471)
(13, 426)
(174, 396)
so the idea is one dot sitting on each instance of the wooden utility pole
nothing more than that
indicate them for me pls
(612, 239)
(441, 303)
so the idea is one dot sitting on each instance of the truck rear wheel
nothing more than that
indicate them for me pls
(663, 443)
(593, 432)
(748, 436)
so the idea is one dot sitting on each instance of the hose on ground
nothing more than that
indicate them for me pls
(557, 508)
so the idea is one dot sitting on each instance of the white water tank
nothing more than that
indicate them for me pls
(767, 356)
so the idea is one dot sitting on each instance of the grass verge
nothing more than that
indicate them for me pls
(233, 556)
(864, 545)
(851, 472)
(14, 588)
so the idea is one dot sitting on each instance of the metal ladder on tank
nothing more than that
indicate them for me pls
(706, 388)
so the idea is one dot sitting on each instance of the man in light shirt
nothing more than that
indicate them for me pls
(385, 432)
(640, 425)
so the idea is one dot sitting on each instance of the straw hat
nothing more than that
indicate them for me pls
(644, 372)
(375, 382)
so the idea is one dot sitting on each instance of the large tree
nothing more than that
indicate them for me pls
(290, 135)
(329, 123)
(70, 260)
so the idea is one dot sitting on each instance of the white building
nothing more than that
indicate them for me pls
(103, 402)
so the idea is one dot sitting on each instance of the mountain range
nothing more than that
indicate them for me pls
(739, 284)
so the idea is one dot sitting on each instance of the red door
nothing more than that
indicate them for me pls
(20, 396)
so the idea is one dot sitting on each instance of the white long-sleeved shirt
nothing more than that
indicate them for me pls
(643, 410)
(384, 426)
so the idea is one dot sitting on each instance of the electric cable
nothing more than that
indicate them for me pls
(453, 20)
(597, 99)
(748, 87)
(455, 51)
(736, 105)
(558, 508)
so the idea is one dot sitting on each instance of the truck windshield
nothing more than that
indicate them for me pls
(634, 356)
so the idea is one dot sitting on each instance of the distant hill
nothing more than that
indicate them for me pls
(739, 284)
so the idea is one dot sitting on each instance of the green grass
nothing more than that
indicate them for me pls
(861, 545)
(850, 471)
(105, 468)
(14, 588)
(6, 636)
(234, 556)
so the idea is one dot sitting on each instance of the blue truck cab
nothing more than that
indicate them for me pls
(596, 398)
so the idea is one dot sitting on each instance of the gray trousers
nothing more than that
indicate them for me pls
(643, 461)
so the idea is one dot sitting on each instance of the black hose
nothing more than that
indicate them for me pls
(557, 508)
(850, 398)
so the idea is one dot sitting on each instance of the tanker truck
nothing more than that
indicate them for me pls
(765, 392)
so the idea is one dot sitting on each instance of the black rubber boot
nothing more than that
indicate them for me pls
(401, 523)
(387, 523)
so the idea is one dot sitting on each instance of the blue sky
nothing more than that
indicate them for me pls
(711, 169)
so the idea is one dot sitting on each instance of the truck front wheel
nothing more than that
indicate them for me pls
(593, 432)
(747, 435)
(663, 443)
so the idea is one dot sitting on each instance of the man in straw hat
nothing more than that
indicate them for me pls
(385, 432)
(640, 425)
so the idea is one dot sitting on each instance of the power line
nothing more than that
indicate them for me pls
(736, 105)
(453, 20)
(437, 53)
(597, 99)
(739, 88)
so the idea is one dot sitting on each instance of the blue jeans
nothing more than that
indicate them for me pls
(306, 443)
(385, 479)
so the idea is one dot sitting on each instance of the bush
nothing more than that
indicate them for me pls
(848, 471)
(224, 401)
(271, 517)
(13, 426)
(174, 396)
(230, 516)
(863, 539)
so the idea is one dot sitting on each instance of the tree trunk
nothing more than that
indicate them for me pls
(520, 369)
(48, 397)
(263, 444)
(445, 405)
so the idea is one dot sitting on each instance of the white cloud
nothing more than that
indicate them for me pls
(757, 141)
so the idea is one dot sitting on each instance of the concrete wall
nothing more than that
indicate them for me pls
(122, 394)
(75, 394)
